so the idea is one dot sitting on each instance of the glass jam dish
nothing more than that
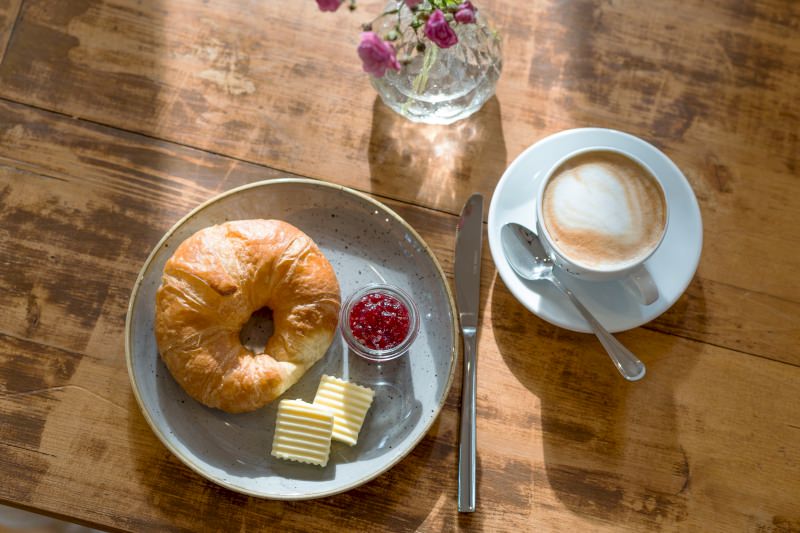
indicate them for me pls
(379, 322)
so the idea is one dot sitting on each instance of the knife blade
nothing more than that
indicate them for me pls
(469, 241)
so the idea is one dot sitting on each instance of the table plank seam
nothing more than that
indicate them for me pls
(104, 526)
(203, 150)
(752, 291)
(27, 449)
(67, 351)
(146, 135)
(12, 165)
(60, 388)
(655, 329)
(4, 46)
(123, 267)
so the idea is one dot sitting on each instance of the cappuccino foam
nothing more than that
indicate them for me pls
(603, 210)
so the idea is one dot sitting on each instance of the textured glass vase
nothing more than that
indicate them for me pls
(439, 85)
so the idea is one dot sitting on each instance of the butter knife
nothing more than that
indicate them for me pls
(469, 240)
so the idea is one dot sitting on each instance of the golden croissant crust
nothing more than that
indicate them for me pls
(212, 284)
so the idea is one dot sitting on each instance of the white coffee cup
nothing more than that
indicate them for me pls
(601, 213)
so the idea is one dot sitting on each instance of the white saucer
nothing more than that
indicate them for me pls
(672, 266)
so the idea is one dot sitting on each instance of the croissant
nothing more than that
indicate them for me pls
(210, 287)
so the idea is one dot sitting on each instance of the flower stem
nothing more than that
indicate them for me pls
(421, 81)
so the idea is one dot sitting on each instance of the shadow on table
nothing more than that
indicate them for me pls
(436, 165)
(610, 447)
(402, 498)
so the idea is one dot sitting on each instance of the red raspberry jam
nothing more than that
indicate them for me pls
(379, 321)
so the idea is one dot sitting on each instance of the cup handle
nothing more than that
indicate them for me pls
(641, 283)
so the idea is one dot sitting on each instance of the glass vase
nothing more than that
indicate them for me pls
(438, 85)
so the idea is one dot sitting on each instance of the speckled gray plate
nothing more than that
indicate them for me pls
(365, 242)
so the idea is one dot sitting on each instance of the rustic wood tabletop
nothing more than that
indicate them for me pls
(117, 117)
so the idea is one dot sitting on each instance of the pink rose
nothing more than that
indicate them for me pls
(329, 5)
(465, 14)
(376, 55)
(411, 4)
(439, 31)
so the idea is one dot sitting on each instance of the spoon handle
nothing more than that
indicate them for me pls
(628, 364)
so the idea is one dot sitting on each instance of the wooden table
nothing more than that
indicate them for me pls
(119, 116)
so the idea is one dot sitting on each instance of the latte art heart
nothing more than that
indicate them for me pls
(603, 210)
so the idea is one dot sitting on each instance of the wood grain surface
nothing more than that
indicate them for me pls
(117, 117)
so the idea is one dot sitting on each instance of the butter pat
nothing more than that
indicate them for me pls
(302, 433)
(348, 403)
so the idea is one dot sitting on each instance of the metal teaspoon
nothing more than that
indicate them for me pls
(528, 258)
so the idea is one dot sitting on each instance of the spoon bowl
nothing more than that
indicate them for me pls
(525, 253)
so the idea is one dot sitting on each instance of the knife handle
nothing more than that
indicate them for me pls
(466, 446)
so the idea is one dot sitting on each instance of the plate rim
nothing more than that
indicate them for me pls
(496, 249)
(455, 352)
